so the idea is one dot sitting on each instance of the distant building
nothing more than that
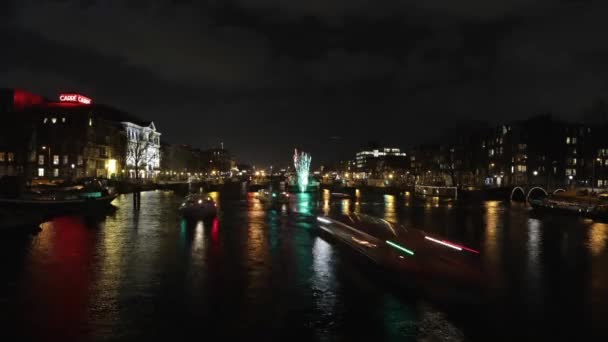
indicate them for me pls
(374, 160)
(179, 162)
(142, 150)
(73, 137)
(220, 160)
(538, 151)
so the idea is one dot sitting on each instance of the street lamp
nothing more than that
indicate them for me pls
(535, 173)
(593, 172)
(48, 159)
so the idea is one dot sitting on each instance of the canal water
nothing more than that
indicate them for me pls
(258, 273)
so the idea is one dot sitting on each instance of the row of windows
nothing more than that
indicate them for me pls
(53, 120)
(498, 151)
(55, 172)
(55, 159)
(63, 120)
(9, 157)
(134, 134)
(570, 140)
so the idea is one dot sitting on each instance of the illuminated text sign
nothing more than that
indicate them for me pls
(74, 98)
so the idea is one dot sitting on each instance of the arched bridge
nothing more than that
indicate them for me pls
(523, 193)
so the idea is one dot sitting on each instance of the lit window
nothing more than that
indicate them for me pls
(45, 120)
(11, 157)
(567, 140)
(1, 156)
(65, 160)
(55, 172)
(63, 119)
(55, 159)
(54, 120)
(90, 121)
(41, 159)
(40, 172)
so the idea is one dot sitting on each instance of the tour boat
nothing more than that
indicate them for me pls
(198, 206)
(411, 256)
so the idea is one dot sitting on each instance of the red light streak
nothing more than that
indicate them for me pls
(451, 245)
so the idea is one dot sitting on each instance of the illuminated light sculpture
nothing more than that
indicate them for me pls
(301, 161)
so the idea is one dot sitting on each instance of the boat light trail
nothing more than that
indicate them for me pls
(451, 245)
(324, 220)
(401, 248)
(326, 229)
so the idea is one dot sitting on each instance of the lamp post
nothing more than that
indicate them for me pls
(593, 173)
(48, 159)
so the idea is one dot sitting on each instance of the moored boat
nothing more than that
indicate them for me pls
(269, 197)
(576, 203)
(83, 195)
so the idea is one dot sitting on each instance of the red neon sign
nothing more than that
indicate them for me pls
(70, 97)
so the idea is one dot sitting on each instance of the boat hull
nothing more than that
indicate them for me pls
(433, 269)
(198, 211)
(58, 206)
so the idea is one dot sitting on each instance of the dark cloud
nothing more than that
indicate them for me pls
(252, 73)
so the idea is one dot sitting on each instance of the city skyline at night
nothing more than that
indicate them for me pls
(243, 72)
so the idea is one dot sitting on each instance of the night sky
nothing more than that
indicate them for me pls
(264, 76)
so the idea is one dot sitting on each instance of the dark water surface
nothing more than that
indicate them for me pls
(256, 273)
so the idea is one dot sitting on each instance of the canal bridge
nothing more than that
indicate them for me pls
(524, 192)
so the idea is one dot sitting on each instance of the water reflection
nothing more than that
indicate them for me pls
(345, 205)
(597, 238)
(491, 246)
(56, 291)
(323, 280)
(389, 208)
(257, 254)
(325, 198)
(258, 271)
(199, 239)
(303, 203)
(533, 250)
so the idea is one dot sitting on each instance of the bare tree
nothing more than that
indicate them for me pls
(138, 154)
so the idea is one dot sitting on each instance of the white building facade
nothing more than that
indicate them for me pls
(142, 150)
